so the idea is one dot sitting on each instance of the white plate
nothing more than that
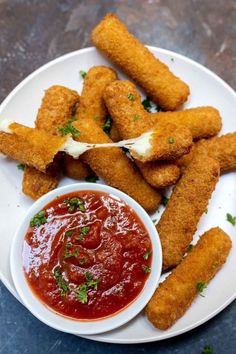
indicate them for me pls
(206, 89)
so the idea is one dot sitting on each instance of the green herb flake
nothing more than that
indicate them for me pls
(158, 108)
(200, 287)
(231, 219)
(82, 207)
(82, 73)
(164, 200)
(147, 104)
(62, 284)
(136, 117)
(146, 255)
(146, 269)
(171, 140)
(74, 203)
(21, 166)
(85, 230)
(69, 233)
(207, 349)
(190, 247)
(206, 211)
(91, 283)
(69, 129)
(82, 295)
(91, 178)
(69, 254)
(107, 125)
(39, 219)
(154, 221)
(131, 96)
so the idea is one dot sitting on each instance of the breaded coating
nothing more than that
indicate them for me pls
(222, 149)
(91, 101)
(113, 39)
(58, 105)
(75, 169)
(203, 122)
(175, 295)
(36, 183)
(133, 120)
(159, 175)
(167, 142)
(31, 146)
(92, 106)
(187, 203)
(112, 165)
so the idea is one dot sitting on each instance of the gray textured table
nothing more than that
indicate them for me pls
(33, 32)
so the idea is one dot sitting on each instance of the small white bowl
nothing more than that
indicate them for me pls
(60, 322)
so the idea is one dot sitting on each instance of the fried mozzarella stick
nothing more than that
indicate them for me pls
(187, 203)
(124, 104)
(92, 106)
(166, 141)
(31, 146)
(114, 167)
(175, 295)
(113, 39)
(58, 106)
(222, 149)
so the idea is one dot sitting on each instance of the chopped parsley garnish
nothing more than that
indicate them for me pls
(147, 104)
(164, 200)
(231, 219)
(72, 119)
(39, 219)
(107, 125)
(154, 221)
(82, 73)
(63, 285)
(82, 295)
(69, 233)
(74, 203)
(158, 108)
(91, 283)
(146, 269)
(190, 247)
(206, 211)
(171, 140)
(146, 255)
(207, 349)
(131, 96)
(69, 254)
(200, 287)
(84, 231)
(82, 290)
(69, 129)
(91, 179)
(136, 117)
(21, 166)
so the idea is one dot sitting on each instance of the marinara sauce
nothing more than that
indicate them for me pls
(87, 255)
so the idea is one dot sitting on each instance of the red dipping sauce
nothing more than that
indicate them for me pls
(87, 255)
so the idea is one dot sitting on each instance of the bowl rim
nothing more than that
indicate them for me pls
(60, 322)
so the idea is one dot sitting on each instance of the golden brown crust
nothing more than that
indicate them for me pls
(75, 169)
(114, 167)
(159, 175)
(187, 203)
(30, 146)
(36, 183)
(203, 122)
(58, 106)
(168, 142)
(91, 107)
(222, 149)
(175, 295)
(113, 39)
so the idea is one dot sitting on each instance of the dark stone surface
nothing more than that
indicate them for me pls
(33, 32)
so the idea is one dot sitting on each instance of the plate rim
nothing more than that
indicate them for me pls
(63, 57)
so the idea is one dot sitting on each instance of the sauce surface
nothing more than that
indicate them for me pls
(87, 255)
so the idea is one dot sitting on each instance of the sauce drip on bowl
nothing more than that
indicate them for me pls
(87, 255)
